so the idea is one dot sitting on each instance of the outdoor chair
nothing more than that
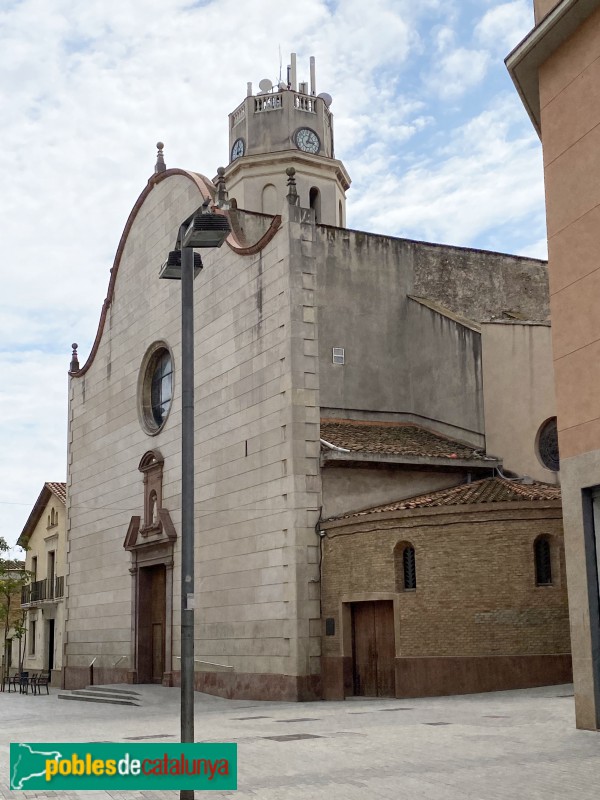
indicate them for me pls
(43, 679)
(23, 682)
(7, 680)
(12, 681)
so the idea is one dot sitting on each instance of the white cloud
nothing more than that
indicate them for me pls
(444, 38)
(86, 93)
(483, 179)
(503, 26)
(457, 71)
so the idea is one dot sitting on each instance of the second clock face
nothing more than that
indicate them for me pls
(238, 149)
(307, 140)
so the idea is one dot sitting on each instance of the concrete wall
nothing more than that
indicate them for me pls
(476, 600)
(353, 489)
(258, 489)
(394, 345)
(481, 285)
(518, 393)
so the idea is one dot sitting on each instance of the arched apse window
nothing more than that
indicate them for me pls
(269, 199)
(543, 561)
(405, 567)
(314, 198)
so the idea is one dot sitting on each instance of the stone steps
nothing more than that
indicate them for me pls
(103, 694)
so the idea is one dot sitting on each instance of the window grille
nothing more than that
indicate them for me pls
(543, 562)
(410, 573)
(548, 445)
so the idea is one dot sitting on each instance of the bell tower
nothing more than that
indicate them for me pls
(282, 126)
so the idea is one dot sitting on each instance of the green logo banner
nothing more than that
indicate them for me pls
(72, 766)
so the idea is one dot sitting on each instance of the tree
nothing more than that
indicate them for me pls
(13, 576)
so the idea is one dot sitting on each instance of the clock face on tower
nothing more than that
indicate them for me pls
(238, 149)
(307, 140)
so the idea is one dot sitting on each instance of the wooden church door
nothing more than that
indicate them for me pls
(373, 649)
(151, 624)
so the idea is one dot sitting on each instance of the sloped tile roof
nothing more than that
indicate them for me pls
(59, 489)
(391, 438)
(488, 490)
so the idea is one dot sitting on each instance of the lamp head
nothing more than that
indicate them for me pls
(171, 269)
(206, 230)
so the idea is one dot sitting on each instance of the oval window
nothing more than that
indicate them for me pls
(156, 388)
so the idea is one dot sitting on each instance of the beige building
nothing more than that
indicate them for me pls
(43, 598)
(335, 370)
(556, 69)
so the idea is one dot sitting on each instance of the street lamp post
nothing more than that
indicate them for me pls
(187, 500)
(203, 230)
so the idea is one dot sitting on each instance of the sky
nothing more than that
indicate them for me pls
(427, 122)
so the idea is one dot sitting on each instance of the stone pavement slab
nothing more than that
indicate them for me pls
(519, 744)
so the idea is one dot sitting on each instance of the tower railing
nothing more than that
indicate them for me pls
(268, 102)
(239, 114)
(305, 102)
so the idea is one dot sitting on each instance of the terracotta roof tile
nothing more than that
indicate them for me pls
(59, 489)
(488, 490)
(391, 438)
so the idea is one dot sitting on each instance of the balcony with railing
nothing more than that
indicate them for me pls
(43, 591)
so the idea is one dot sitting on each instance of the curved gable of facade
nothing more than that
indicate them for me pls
(199, 189)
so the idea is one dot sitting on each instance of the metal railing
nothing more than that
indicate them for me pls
(39, 591)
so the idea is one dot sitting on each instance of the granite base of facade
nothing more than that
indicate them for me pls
(56, 678)
(257, 686)
(234, 686)
(436, 676)
(79, 677)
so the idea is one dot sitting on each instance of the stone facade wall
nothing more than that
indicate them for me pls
(256, 456)
(476, 593)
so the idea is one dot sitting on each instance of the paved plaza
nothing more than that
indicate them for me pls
(519, 744)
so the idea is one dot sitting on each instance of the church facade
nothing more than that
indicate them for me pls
(335, 371)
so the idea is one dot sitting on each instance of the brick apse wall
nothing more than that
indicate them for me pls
(476, 621)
